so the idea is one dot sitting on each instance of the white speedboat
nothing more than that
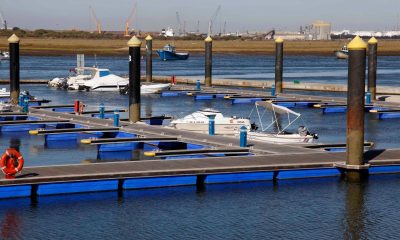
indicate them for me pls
(199, 120)
(342, 53)
(5, 107)
(76, 80)
(104, 81)
(148, 88)
(282, 135)
(154, 87)
(4, 55)
(4, 93)
(82, 74)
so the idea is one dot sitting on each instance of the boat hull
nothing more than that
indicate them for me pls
(167, 55)
(153, 88)
(223, 129)
(341, 55)
(280, 138)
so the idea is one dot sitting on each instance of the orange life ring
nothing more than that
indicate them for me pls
(7, 162)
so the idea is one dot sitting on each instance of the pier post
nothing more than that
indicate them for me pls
(25, 106)
(355, 169)
(243, 136)
(134, 79)
(273, 90)
(149, 58)
(198, 86)
(208, 61)
(101, 111)
(278, 65)
(14, 68)
(372, 66)
(116, 118)
(211, 124)
(76, 107)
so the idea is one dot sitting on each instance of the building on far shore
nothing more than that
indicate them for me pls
(318, 30)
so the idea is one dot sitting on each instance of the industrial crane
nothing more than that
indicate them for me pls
(3, 21)
(130, 19)
(95, 20)
(178, 21)
(212, 19)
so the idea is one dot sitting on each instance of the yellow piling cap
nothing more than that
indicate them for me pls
(208, 39)
(148, 38)
(150, 154)
(227, 97)
(357, 44)
(373, 111)
(86, 141)
(13, 39)
(317, 105)
(279, 40)
(372, 40)
(34, 132)
(189, 94)
(134, 42)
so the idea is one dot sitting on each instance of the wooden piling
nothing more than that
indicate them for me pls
(372, 66)
(355, 110)
(208, 61)
(278, 65)
(134, 79)
(14, 68)
(149, 58)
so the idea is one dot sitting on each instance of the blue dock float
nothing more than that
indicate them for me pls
(21, 127)
(174, 93)
(77, 187)
(334, 109)
(120, 182)
(343, 108)
(67, 109)
(388, 115)
(245, 100)
(204, 96)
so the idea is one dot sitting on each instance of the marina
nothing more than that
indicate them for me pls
(84, 142)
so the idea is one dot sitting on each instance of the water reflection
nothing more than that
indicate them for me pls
(355, 211)
(10, 228)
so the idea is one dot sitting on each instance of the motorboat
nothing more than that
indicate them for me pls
(282, 136)
(82, 74)
(343, 53)
(199, 122)
(4, 55)
(148, 88)
(104, 81)
(4, 93)
(5, 107)
(169, 53)
(77, 78)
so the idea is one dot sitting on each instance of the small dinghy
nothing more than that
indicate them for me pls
(198, 122)
(282, 135)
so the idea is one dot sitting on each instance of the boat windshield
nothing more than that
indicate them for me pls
(169, 48)
(104, 73)
(292, 116)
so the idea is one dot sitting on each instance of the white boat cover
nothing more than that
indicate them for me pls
(276, 108)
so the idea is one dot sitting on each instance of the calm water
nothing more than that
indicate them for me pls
(255, 67)
(301, 209)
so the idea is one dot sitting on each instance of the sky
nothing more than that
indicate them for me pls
(250, 15)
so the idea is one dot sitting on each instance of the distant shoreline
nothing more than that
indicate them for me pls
(117, 47)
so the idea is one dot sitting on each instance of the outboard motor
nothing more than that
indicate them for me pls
(253, 126)
(124, 90)
(303, 131)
